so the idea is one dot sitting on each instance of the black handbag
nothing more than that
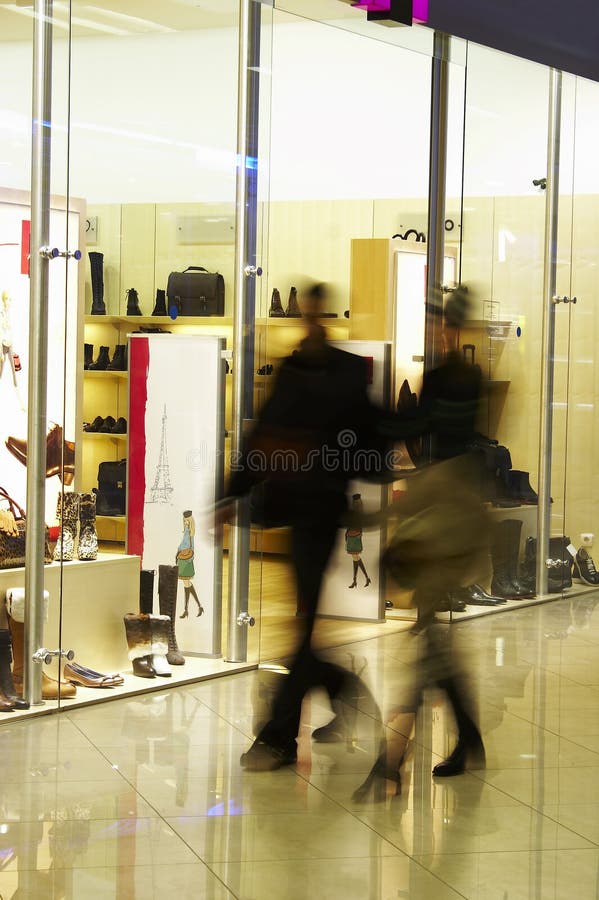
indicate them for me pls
(112, 488)
(559, 564)
(196, 292)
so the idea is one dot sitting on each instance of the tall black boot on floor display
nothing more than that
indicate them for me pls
(146, 591)
(276, 310)
(160, 304)
(505, 552)
(293, 311)
(133, 303)
(96, 262)
(168, 583)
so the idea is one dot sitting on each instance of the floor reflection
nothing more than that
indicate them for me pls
(146, 797)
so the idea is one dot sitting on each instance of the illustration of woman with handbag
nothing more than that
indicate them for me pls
(186, 571)
(353, 544)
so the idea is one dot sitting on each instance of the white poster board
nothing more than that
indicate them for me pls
(175, 470)
(365, 600)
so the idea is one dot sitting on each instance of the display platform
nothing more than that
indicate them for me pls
(476, 612)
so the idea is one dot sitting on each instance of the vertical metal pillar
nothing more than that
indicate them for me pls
(548, 337)
(38, 345)
(244, 313)
(435, 248)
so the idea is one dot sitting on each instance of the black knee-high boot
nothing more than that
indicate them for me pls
(195, 597)
(353, 584)
(361, 566)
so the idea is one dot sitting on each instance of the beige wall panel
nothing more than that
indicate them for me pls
(138, 238)
(174, 256)
(311, 240)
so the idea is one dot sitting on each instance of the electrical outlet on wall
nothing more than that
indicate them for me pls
(587, 538)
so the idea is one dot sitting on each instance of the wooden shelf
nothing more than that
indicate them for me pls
(204, 321)
(498, 385)
(105, 373)
(102, 435)
(116, 520)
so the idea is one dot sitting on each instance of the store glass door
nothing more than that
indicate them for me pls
(578, 326)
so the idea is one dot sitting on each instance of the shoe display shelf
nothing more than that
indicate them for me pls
(96, 594)
(107, 393)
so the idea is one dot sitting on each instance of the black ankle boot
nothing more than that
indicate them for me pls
(293, 311)
(102, 362)
(96, 262)
(133, 303)
(160, 304)
(276, 307)
(88, 355)
(118, 363)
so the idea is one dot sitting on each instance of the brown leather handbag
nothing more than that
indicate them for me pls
(12, 546)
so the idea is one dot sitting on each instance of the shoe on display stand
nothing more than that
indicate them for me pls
(51, 689)
(505, 552)
(133, 303)
(138, 631)
(293, 311)
(102, 362)
(159, 626)
(118, 363)
(8, 693)
(67, 513)
(81, 675)
(168, 584)
(146, 591)
(276, 310)
(87, 547)
(584, 568)
(88, 355)
(60, 454)
(96, 262)
(160, 304)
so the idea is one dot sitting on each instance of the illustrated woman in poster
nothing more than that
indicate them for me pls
(186, 571)
(353, 544)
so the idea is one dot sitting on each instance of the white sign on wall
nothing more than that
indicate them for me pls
(353, 587)
(176, 438)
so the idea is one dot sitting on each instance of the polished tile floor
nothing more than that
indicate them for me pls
(145, 798)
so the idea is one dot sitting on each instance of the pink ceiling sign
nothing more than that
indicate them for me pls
(419, 8)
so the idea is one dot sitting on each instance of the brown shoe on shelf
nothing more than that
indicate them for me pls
(86, 679)
(49, 687)
(60, 454)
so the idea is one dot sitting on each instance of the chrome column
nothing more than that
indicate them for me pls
(548, 336)
(435, 248)
(38, 345)
(244, 312)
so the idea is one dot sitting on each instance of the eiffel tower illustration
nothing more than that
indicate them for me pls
(162, 488)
